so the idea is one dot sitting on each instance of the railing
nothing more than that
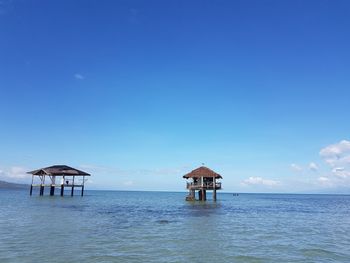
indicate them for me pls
(209, 185)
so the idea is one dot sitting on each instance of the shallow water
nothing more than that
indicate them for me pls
(117, 226)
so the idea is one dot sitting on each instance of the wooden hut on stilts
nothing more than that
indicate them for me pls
(202, 179)
(58, 176)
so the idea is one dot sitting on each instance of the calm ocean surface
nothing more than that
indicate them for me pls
(117, 226)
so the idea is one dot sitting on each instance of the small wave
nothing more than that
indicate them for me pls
(317, 252)
(251, 259)
(163, 221)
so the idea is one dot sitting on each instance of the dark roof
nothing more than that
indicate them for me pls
(202, 172)
(59, 170)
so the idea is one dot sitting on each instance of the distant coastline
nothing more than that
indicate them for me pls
(8, 185)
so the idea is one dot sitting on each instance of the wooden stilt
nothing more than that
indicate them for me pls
(72, 193)
(52, 190)
(193, 193)
(200, 194)
(53, 183)
(62, 189)
(42, 188)
(204, 195)
(31, 186)
(82, 187)
(214, 189)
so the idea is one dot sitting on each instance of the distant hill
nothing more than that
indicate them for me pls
(7, 185)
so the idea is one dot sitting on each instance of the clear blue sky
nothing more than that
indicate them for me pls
(140, 92)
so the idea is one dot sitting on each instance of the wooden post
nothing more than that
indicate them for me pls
(82, 188)
(72, 193)
(52, 190)
(200, 195)
(193, 193)
(204, 195)
(62, 189)
(53, 183)
(42, 188)
(62, 185)
(214, 189)
(43, 185)
(31, 186)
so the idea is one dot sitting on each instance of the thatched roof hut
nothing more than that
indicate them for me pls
(202, 179)
(67, 175)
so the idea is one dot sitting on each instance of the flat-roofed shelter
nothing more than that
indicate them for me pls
(202, 179)
(67, 177)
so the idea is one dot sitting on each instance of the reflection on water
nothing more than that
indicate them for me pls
(162, 227)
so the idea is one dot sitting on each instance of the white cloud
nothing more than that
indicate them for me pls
(79, 76)
(324, 181)
(337, 156)
(14, 173)
(336, 153)
(341, 172)
(137, 178)
(296, 168)
(313, 167)
(97, 169)
(128, 183)
(336, 149)
(18, 172)
(259, 181)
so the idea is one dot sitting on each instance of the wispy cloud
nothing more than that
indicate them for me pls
(337, 157)
(324, 181)
(78, 76)
(14, 173)
(128, 183)
(341, 172)
(112, 177)
(296, 167)
(260, 181)
(135, 172)
(337, 153)
(313, 167)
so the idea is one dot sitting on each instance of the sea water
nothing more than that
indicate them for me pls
(113, 226)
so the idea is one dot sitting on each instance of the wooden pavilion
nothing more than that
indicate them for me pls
(202, 179)
(69, 178)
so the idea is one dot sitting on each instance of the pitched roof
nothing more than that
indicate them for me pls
(59, 170)
(202, 172)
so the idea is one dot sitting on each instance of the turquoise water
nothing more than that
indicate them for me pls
(161, 227)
